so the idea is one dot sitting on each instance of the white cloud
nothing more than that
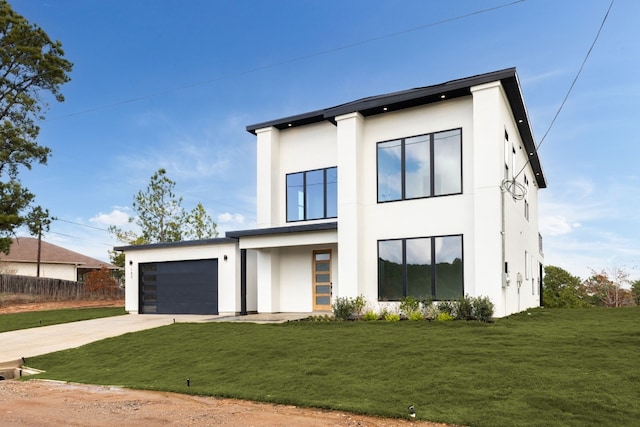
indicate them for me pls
(556, 225)
(231, 218)
(118, 216)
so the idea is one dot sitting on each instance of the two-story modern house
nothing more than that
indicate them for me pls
(428, 192)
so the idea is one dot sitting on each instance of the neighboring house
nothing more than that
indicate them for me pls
(55, 262)
(429, 192)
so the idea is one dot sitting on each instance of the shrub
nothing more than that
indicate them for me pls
(444, 317)
(447, 307)
(409, 305)
(101, 281)
(359, 303)
(343, 308)
(416, 315)
(464, 309)
(392, 317)
(370, 315)
(482, 308)
(430, 311)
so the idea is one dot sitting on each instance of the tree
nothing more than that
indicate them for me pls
(561, 289)
(32, 66)
(38, 221)
(635, 291)
(100, 281)
(606, 289)
(160, 215)
(200, 225)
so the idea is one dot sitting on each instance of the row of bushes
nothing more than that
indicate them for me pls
(410, 308)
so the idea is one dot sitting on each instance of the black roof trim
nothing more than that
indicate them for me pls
(321, 226)
(425, 95)
(184, 243)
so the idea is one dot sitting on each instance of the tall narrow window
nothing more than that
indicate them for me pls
(312, 194)
(506, 155)
(420, 166)
(526, 197)
(389, 170)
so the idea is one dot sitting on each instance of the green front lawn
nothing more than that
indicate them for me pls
(12, 322)
(548, 367)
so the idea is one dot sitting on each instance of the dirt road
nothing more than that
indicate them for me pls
(45, 403)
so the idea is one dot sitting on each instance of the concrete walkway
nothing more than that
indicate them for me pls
(48, 339)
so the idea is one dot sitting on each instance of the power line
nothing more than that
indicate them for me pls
(290, 61)
(83, 225)
(573, 83)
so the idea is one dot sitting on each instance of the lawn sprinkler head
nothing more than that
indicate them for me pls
(412, 411)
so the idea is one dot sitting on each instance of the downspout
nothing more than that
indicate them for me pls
(505, 272)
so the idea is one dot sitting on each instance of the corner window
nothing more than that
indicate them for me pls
(312, 194)
(420, 166)
(426, 267)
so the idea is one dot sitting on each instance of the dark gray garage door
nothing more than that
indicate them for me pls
(179, 287)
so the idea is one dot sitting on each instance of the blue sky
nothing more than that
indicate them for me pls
(172, 84)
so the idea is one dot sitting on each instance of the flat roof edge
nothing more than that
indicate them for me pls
(183, 243)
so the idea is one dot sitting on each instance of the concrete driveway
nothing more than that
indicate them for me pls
(48, 339)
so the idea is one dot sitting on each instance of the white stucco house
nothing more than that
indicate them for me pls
(428, 192)
(55, 262)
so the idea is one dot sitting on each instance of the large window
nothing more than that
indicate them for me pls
(420, 166)
(312, 194)
(426, 267)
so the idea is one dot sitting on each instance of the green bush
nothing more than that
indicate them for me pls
(483, 308)
(444, 317)
(430, 311)
(447, 307)
(416, 315)
(392, 317)
(409, 305)
(464, 308)
(370, 315)
(359, 304)
(343, 308)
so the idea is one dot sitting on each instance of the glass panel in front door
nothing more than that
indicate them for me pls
(322, 280)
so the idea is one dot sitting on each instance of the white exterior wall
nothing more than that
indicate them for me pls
(284, 272)
(228, 271)
(52, 271)
(492, 117)
(426, 217)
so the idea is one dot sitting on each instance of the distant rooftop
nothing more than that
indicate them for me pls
(25, 249)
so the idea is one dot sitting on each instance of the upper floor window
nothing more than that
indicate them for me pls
(420, 166)
(312, 194)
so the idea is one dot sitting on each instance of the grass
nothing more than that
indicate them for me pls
(547, 367)
(16, 321)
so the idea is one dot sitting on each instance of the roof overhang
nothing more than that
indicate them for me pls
(395, 101)
(181, 244)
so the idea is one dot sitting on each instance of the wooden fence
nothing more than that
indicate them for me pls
(53, 289)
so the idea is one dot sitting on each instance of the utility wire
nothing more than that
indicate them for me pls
(584, 61)
(292, 60)
(83, 225)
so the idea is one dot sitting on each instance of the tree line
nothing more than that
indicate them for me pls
(600, 289)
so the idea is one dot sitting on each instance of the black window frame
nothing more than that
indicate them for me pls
(304, 184)
(433, 272)
(432, 168)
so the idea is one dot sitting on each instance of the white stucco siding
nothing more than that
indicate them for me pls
(228, 270)
(492, 118)
(302, 149)
(53, 271)
(428, 217)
